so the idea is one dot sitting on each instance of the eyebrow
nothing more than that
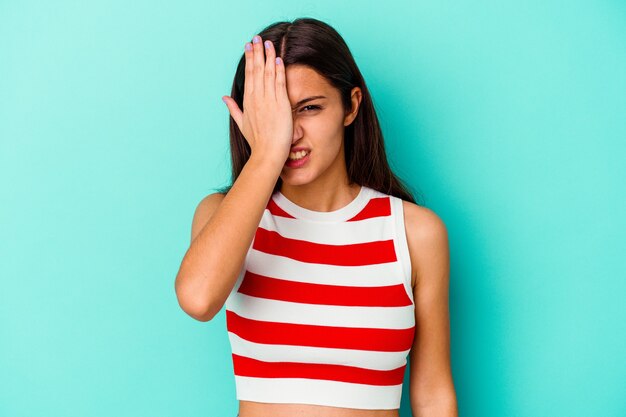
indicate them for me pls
(304, 100)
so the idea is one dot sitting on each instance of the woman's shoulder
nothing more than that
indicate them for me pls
(204, 210)
(426, 219)
(209, 204)
(427, 237)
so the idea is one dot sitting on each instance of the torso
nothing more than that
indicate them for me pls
(254, 409)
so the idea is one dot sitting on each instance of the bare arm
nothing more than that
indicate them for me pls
(432, 390)
(227, 225)
(222, 231)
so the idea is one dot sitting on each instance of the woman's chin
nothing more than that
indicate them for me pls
(294, 177)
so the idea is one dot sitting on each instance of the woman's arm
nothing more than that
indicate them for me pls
(210, 268)
(222, 231)
(432, 391)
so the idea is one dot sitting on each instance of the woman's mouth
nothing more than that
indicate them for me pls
(298, 159)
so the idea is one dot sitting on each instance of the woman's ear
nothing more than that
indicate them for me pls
(355, 99)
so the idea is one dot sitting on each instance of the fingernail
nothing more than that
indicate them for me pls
(267, 44)
(224, 99)
(248, 46)
(256, 39)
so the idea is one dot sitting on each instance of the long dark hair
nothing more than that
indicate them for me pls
(311, 42)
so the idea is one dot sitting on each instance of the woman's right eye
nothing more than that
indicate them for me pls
(313, 107)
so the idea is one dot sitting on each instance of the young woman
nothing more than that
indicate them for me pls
(329, 271)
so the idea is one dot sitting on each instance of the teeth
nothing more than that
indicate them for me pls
(297, 155)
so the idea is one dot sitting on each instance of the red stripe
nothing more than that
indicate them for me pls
(275, 210)
(376, 207)
(276, 333)
(303, 292)
(355, 254)
(244, 366)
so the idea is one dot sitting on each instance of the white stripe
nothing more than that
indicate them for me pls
(276, 266)
(320, 392)
(264, 309)
(382, 361)
(401, 245)
(375, 193)
(343, 233)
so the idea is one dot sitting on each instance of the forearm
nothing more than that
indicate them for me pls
(444, 406)
(212, 263)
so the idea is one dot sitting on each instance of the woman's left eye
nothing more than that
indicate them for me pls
(312, 107)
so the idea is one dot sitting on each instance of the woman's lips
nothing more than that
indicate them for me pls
(297, 163)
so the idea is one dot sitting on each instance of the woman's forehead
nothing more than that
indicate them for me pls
(304, 82)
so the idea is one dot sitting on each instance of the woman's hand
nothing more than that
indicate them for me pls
(266, 122)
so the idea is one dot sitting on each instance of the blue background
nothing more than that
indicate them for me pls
(509, 118)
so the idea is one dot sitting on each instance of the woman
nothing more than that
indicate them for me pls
(330, 273)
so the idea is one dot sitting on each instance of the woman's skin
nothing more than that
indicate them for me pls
(274, 121)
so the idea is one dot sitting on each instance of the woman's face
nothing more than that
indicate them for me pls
(318, 125)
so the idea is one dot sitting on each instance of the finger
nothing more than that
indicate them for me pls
(281, 85)
(233, 108)
(248, 86)
(270, 71)
(259, 64)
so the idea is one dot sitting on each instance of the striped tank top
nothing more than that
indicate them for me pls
(322, 311)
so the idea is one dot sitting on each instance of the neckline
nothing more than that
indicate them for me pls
(341, 214)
